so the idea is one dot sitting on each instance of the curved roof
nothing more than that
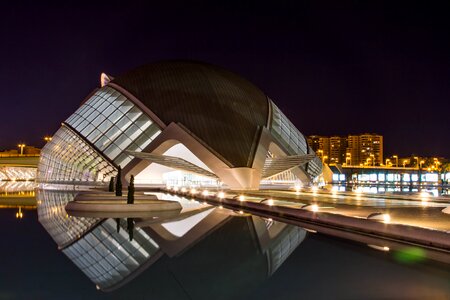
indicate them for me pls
(221, 108)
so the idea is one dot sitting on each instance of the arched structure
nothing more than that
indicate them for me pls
(223, 120)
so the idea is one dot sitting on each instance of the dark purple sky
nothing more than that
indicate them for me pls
(332, 69)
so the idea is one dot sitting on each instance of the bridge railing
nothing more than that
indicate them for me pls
(18, 155)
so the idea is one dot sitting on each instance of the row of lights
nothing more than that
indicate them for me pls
(194, 191)
(221, 195)
(270, 202)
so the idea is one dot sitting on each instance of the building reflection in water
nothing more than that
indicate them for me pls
(19, 195)
(204, 246)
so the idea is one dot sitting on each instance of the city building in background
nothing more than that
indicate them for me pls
(362, 149)
(179, 123)
(338, 147)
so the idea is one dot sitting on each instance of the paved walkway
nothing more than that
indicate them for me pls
(414, 212)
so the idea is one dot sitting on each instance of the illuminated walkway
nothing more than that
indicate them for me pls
(416, 211)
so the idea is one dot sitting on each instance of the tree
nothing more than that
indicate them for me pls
(130, 197)
(111, 184)
(119, 182)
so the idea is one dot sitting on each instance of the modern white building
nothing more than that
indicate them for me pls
(179, 123)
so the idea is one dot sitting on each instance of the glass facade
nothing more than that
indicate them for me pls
(284, 245)
(107, 257)
(68, 158)
(52, 215)
(114, 124)
(291, 139)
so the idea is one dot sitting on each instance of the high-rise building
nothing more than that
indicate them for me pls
(355, 149)
(352, 156)
(321, 146)
(338, 147)
(371, 149)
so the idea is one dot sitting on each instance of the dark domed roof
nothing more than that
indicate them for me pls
(222, 109)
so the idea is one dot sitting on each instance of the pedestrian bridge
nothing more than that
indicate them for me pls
(18, 167)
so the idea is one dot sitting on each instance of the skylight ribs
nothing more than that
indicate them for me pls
(274, 166)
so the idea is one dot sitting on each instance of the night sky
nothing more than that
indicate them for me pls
(332, 69)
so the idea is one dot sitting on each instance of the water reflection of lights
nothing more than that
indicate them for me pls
(20, 188)
(381, 248)
(19, 214)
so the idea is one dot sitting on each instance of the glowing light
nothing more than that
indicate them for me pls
(205, 193)
(315, 208)
(424, 195)
(220, 207)
(385, 248)
(270, 219)
(241, 212)
(270, 202)
(193, 191)
(241, 198)
(183, 190)
(221, 195)
(175, 188)
(386, 218)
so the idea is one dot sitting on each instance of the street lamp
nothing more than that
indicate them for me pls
(21, 146)
(321, 152)
(404, 162)
(373, 159)
(436, 163)
(324, 158)
(348, 158)
(421, 163)
(387, 162)
(396, 160)
(417, 161)
(47, 138)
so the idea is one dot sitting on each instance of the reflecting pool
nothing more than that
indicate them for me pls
(204, 252)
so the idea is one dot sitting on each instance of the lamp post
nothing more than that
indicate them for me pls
(404, 163)
(396, 160)
(436, 163)
(421, 163)
(417, 161)
(387, 162)
(321, 152)
(348, 158)
(21, 146)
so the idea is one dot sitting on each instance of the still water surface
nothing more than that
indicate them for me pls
(205, 253)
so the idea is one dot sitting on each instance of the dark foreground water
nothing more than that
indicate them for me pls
(223, 256)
